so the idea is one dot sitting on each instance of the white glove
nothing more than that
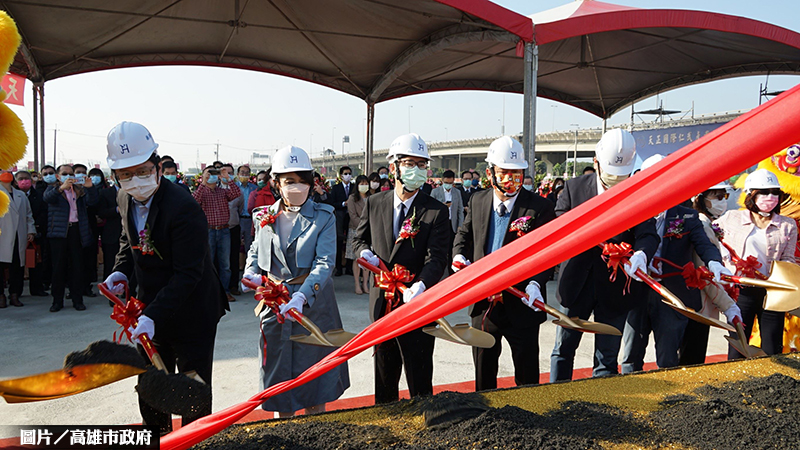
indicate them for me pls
(534, 293)
(115, 277)
(718, 270)
(732, 312)
(145, 326)
(415, 289)
(370, 257)
(297, 302)
(250, 276)
(655, 268)
(638, 261)
(459, 259)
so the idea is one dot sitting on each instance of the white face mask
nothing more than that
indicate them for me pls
(374, 185)
(717, 207)
(346, 178)
(363, 188)
(295, 195)
(140, 189)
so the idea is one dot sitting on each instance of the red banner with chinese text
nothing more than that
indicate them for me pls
(719, 155)
(14, 86)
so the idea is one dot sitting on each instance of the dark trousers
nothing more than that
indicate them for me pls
(414, 351)
(342, 221)
(695, 344)
(770, 323)
(36, 274)
(67, 255)
(195, 353)
(16, 273)
(236, 247)
(90, 264)
(47, 263)
(524, 343)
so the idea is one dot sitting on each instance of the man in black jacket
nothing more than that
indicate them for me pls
(164, 242)
(488, 227)
(406, 227)
(339, 194)
(584, 286)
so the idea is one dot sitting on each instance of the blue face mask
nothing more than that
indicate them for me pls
(447, 186)
(384, 176)
(49, 179)
(413, 178)
(172, 178)
(96, 180)
(213, 179)
(475, 182)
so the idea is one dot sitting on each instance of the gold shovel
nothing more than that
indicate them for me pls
(782, 285)
(740, 342)
(64, 382)
(333, 338)
(461, 333)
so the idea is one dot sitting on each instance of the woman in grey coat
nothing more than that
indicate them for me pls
(295, 241)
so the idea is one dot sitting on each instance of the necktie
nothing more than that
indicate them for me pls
(347, 190)
(503, 209)
(400, 218)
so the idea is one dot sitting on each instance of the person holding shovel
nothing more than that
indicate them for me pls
(165, 243)
(295, 242)
(409, 228)
(495, 218)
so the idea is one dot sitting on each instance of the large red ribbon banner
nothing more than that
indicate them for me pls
(721, 154)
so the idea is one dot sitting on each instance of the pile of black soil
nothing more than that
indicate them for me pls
(105, 352)
(448, 407)
(759, 413)
(173, 393)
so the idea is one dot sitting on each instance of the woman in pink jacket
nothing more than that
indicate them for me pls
(760, 231)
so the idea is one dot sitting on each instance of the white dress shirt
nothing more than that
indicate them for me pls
(141, 213)
(509, 203)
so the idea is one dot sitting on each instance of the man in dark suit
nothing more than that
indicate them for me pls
(485, 230)
(584, 286)
(467, 188)
(682, 234)
(378, 238)
(339, 194)
(177, 282)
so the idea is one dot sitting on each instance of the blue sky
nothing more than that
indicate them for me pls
(189, 109)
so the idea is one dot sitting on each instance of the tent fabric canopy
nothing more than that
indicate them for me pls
(592, 55)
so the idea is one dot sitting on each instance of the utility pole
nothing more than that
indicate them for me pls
(575, 161)
(55, 137)
(217, 152)
(503, 126)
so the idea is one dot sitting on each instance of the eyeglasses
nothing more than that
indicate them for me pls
(773, 191)
(720, 196)
(409, 163)
(142, 173)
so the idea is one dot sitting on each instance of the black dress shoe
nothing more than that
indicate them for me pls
(348, 272)
(56, 308)
(79, 306)
(90, 294)
(337, 273)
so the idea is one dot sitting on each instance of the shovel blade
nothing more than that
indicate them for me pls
(64, 382)
(749, 351)
(783, 300)
(697, 317)
(461, 333)
(585, 326)
(339, 337)
(310, 339)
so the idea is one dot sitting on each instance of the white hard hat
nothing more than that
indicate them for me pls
(651, 161)
(616, 152)
(761, 179)
(291, 159)
(720, 185)
(129, 144)
(409, 145)
(506, 153)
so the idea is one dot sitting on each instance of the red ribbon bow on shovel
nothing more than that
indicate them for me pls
(273, 294)
(392, 281)
(125, 314)
(615, 256)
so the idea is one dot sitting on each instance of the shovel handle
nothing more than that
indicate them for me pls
(144, 339)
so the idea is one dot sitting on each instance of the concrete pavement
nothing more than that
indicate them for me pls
(33, 340)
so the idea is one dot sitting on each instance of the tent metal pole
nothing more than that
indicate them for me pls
(368, 150)
(529, 119)
(41, 123)
(35, 128)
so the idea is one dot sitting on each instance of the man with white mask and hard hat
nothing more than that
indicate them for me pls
(584, 286)
(165, 243)
(493, 220)
(682, 236)
(407, 227)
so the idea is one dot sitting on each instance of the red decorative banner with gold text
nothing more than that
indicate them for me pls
(14, 85)
(719, 155)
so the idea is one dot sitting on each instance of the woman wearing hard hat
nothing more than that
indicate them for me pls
(295, 241)
(761, 232)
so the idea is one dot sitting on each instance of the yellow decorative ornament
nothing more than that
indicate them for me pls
(13, 139)
(784, 165)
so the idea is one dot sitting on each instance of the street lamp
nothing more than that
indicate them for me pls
(575, 162)
(409, 117)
